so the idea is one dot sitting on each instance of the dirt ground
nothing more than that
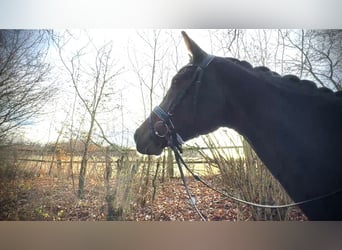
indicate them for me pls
(50, 199)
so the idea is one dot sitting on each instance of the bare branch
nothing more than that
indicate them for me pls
(24, 87)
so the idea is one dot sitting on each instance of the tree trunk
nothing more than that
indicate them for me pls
(84, 161)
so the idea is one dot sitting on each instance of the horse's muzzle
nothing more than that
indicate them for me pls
(145, 143)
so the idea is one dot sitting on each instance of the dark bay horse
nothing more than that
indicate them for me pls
(293, 126)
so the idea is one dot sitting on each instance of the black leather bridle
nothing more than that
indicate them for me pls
(164, 127)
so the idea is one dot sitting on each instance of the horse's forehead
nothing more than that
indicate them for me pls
(184, 72)
(185, 69)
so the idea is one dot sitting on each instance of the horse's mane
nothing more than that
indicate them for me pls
(288, 81)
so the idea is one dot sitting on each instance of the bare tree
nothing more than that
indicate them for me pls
(98, 75)
(320, 55)
(222, 41)
(149, 68)
(24, 86)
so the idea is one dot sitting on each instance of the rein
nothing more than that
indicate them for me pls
(164, 128)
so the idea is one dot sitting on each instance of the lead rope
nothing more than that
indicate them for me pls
(192, 199)
(180, 161)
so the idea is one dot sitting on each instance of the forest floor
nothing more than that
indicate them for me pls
(50, 199)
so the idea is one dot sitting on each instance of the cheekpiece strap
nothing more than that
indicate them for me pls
(206, 61)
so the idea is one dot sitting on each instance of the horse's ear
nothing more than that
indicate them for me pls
(197, 54)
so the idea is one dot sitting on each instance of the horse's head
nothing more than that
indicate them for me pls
(192, 106)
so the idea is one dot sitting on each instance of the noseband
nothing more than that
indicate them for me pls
(164, 128)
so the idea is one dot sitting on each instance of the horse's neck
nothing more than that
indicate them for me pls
(291, 133)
